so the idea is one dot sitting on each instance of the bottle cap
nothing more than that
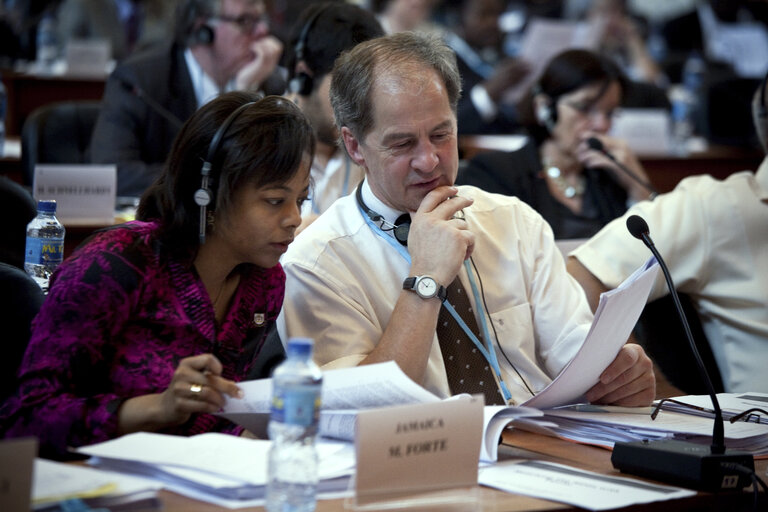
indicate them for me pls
(46, 205)
(300, 346)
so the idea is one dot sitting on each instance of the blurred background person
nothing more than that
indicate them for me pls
(322, 32)
(219, 46)
(150, 323)
(486, 73)
(575, 188)
(404, 15)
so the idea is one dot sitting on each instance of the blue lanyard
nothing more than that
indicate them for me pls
(488, 352)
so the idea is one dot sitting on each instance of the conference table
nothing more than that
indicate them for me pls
(519, 445)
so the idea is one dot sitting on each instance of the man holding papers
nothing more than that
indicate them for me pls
(369, 283)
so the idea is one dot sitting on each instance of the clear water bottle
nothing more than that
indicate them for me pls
(292, 465)
(683, 108)
(45, 244)
(47, 43)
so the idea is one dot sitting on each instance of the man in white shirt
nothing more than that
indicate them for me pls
(367, 298)
(322, 32)
(219, 46)
(713, 236)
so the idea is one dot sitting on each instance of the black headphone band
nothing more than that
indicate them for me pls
(302, 83)
(205, 195)
(399, 229)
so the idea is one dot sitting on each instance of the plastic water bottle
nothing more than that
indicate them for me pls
(292, 465)
(47, 43)
(45, 244)
(683, 107)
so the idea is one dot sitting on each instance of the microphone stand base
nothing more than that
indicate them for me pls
(684, 464)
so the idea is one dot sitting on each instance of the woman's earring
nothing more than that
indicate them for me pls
(209, 220)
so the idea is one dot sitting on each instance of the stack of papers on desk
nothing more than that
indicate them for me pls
(603, 426)
(732, 404)
(219, 468)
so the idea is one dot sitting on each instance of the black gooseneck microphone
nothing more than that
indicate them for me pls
(681, 462)
(597, 145)
(150, 102)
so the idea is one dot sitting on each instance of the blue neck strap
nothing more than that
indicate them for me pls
(487, 350)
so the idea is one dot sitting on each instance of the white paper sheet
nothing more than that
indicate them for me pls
(565, 484)
(616, 315)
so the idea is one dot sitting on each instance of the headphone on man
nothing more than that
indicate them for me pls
(760, 114)
(303, 83)
(190, 13)
(205, 196)
(400, 228)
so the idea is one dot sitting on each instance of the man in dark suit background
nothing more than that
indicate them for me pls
(219, 45)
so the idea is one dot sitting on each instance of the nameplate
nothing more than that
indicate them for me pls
(84, 194)
(645, 130)
(411, 449)
(87, 57)
(17, 458)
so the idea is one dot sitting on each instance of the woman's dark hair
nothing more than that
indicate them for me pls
(566, 72)
(264, 145)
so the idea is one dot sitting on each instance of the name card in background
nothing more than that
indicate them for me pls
(646, 130)
(406, 451)
(84, 194)
(88, 57)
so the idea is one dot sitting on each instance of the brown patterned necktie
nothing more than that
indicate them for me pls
(467, 369)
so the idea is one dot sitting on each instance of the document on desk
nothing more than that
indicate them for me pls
(615, 317)
(360, 387)
(585, 489)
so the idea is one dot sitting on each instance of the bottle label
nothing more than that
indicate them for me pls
(297, 406)
(44, 251)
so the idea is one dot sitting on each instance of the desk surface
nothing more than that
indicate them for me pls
(524, 445)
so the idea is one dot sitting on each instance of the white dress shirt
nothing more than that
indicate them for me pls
(713, 235)
(343, 280)
(338, 178)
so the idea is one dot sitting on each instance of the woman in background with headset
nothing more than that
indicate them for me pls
(151, 323)
(576, 188)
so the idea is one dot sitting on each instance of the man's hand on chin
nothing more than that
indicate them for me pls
(628, 381)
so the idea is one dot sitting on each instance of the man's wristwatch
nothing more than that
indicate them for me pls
(425, 287)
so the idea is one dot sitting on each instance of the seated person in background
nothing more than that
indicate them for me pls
(149, 324)
(404, 15)
(623, 41)
(322, 32)
(220, 45)
(485, 72)
(713, 235)
(352, 286)
(125, 24)
(575, 188)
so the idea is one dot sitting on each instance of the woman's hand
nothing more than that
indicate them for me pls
(589, 157)
(196, 387)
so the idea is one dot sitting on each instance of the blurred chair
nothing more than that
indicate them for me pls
(20, 300)
(17, 208)
(57, 133)
(661, 333)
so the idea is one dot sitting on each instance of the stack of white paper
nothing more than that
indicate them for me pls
(214, 467)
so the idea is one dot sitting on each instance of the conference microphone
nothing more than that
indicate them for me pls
(597, 145)
(150, 102)
(681, 462)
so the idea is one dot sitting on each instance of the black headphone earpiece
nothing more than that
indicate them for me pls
(303, 83)
(402, 225)
(546, 113)
(204, 34)
(205, 196)
(760, 114)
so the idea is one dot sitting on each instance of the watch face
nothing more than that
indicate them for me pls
(426, 287)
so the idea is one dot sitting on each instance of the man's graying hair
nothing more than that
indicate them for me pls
(355, 72)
